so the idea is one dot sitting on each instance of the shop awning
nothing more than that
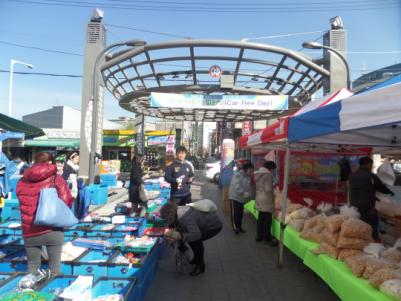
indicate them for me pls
(14, 125)
(73, 143)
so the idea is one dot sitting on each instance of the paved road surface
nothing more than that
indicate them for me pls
(237, 268)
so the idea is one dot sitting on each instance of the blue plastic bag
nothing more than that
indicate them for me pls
(52, 211)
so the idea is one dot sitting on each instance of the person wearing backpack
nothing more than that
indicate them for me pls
(264, 201)
(192, 224)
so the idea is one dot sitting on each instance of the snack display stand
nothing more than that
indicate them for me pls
(334, 272)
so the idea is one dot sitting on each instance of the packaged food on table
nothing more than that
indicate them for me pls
(345, 253)
(320, 225)
(292, 207)
(109, 298)
(355, 228)
(392, 288)
(330, 237)
(333, 223)
(301, 213)
(311, 235)
(325, 248)
(351, 243)
(297, 224)
(382, 275)
(374, 249)
(391, 254)
(349, 211)
(357, 264)
(311, 222)
(375, 264)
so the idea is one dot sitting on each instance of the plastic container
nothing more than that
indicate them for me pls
(127, 287)
(11, 240)
(115, 269)
(11, 210)
(11, 284)
(99, 230)
(5, 229)
(92, 262)
(147, 281)
(57, 284)
(108, 179)
(99, 194)
(5, 276)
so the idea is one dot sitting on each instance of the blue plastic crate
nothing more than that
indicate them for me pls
(11, 240)
(126, 270)
(14, 261)
(99, 194)
(100, 230)
(116, 285)
(10, 285)
(57, 284)
(5, 229)
(92, 262)
(147, 282)
(109, 180)
(11, 210)
(5, 276)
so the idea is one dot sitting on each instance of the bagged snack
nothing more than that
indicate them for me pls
(292, 207)
(297, 224)
(301, 213)
(355, 228)
(392, 288)
(374, 249)
(325, 248)
(357, 264)
(311, 235)
(311, 222)
(391, 254)
(375, 264)
(349, 211)
(351, 243)
(320, 225)
(333, 223)
(324, 207)
(330, 237)
(383, 275)
(345, 253)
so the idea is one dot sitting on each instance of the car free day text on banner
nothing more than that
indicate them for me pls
(227, 102)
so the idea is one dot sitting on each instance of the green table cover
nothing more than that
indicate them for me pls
(334, 272)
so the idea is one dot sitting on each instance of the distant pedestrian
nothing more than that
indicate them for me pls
(180, 175)
(191, 225)
(136, 180)
(240, 192)
(60, 162)
(264, 200)
(70, 173)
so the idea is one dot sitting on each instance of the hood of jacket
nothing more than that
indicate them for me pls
(262, 170)
(39, 172)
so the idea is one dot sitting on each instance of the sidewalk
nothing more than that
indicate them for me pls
(237, 268)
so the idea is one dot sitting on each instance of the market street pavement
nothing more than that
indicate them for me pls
(237, 268)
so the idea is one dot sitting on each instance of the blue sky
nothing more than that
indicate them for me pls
(373, 26)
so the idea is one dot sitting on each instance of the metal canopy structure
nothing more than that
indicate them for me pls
(183, 67)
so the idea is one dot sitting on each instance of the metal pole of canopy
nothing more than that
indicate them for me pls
(284, 206)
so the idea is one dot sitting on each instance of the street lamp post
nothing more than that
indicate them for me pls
(95, 102)
(10, 89)
(315, 45)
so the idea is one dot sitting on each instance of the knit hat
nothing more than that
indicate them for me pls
(60, 158)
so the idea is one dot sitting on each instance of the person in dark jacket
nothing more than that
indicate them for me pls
(363, 186)
(136, 180)
(43, 174)
(180, 175)
(192, 226)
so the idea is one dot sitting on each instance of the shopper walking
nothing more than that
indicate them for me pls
(193, 226)
(41, 175)
(240, 192)
(264, 200)
(363, 186)
(70, 173)
(136, 180)
(180, 175)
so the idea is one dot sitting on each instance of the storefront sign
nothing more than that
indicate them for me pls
(219, 102)
(156, 140)
(246, 127)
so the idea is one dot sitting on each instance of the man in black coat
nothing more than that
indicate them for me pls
(363, 187)
(180, 176)
(136, 180)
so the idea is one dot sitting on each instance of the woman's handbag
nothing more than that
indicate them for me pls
(142, 193)
(52, 211)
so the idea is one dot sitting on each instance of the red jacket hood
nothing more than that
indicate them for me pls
(39, 172)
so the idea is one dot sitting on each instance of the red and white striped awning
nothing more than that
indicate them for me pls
(278, 131)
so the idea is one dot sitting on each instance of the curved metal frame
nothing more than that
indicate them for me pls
(293, 74)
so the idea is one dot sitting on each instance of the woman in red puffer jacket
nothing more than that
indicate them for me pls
(43, 174)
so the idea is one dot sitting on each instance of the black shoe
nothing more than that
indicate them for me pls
(242, 230)
(258, 239)
(192, 261)
(236, 231)
(199, 269)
